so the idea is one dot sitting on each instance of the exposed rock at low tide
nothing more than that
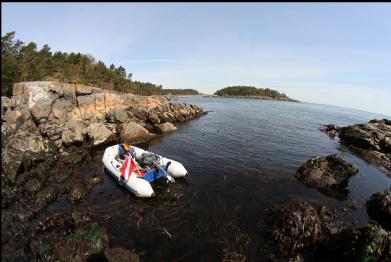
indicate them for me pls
(379, 208)
(331, 130)
(166, 127)
(327, 174)
(48, 131)
(375, 135)
(298, 230)
(99, 134)
(292, 228)
(366, 243)
(371, 140)
(69, 238)
(118, 254)
(133, 133)
(44, 116)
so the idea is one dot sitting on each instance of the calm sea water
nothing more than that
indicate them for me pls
(241, 158)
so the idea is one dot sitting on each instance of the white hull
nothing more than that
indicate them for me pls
(137, 185)
(176, 169)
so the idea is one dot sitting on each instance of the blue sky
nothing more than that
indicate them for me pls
(329, 53)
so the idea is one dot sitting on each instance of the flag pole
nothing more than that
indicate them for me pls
(137, 165)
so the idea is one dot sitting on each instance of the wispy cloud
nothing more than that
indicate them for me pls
(296, 49)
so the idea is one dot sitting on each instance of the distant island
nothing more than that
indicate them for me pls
(182, 92)
(253, 92)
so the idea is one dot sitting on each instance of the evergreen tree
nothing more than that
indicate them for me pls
(20, 62)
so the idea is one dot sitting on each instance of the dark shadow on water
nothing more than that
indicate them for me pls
(235, 175)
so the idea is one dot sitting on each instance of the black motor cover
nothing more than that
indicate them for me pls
(149, 159)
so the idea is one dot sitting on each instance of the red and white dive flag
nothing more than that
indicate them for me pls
(127, 168)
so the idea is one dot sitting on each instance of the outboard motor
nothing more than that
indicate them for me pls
(149, 159)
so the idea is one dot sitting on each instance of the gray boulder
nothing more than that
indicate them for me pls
(132, 133)
(40, 100)
(120, 115)
(73, 134)
(99, 134)
(27, 140)
(166, 127)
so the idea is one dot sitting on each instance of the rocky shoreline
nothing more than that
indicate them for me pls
(49, 130)
(46, 116)
(371, 141)
(299, 231)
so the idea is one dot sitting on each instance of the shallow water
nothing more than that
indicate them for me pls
(241, 158)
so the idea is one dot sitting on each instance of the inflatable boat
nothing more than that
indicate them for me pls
(146, 168)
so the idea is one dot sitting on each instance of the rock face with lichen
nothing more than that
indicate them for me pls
(43, 116)
(327, 174)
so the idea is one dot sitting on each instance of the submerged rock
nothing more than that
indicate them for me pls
(33, 185)
(80, 218)
(46, 196)
(232, 256)
(292, 228)
(328, 174)
(77, 192)
(87, 241)
(366, 243)
(379, 208)
(66, 238)
(118, 254)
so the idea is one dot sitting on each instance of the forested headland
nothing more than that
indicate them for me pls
(25, 62)
(252, 92)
